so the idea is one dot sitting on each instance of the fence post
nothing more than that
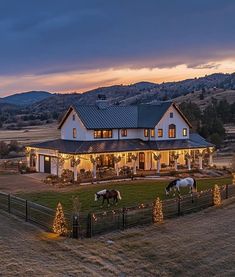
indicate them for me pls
(89, 226)
(123, 218)
(9, 203)
(26, 210)
(226, 190)
(75, 226)
(179, 206)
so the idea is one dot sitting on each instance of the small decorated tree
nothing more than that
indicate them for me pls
(157, 211)
(59, 224)
(216, 196)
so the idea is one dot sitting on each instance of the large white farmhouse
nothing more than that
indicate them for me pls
(142, 137)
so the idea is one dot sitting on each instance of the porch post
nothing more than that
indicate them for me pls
(134, 158)
(211, 157)
(157, 157)
(200, 156)
(60, 163)
(76, 162)
(117, 159)
(94, 163)
(176, 157)
(188, 158)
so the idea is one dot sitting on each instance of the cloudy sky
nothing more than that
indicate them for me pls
(76, 45)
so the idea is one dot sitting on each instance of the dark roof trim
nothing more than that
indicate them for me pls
(181, 113)
(66, 115)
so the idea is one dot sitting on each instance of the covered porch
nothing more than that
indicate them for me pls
(96, 165)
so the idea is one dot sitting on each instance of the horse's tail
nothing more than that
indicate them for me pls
(194, 184)
(119, 195)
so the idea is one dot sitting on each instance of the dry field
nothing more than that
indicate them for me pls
(200, 244)
(31, 134)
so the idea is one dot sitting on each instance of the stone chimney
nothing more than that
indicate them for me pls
(102, 103)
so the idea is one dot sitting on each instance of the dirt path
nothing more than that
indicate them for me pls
(198, 244)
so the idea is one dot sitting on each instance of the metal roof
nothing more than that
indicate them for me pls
(105, 146)
(118, 117)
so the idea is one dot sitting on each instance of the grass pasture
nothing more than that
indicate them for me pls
(132, 192)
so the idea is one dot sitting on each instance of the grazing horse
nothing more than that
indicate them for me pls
(108, 194)
(182, 183)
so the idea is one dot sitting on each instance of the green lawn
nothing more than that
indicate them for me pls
(132, 192)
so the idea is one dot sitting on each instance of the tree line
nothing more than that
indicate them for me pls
(210, 122)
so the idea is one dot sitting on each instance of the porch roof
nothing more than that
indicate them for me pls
(105, 146)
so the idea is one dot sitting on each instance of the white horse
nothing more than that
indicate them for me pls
(182, 183)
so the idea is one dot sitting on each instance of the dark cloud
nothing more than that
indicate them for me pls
(46, 36)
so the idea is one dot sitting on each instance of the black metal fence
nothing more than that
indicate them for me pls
(120, 219)
(83, 225)
(29, 211)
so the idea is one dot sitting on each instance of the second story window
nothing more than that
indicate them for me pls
(152, 133)
(73, 117)
(160, 133)
(124, 132)
(172, 131)
(146, 133)
(74, 132)
(103, 134)
(185, 132)
(171, 115)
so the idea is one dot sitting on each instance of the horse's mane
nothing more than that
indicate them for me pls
(172, 183)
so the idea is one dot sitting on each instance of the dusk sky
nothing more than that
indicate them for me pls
(76, 45)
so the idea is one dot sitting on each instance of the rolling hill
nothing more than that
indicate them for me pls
(25, 98)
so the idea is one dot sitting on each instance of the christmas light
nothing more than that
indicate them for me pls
(59, 224)
(216, 196)
(157, 211)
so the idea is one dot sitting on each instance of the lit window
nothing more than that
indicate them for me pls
(152, 132)
(103, 134)
(74, 132)
(172, 131)
(73, 117)
(185, 132)
(160, 133)
(171, 115)
(146, 133)
(124, 132)
(107, 133)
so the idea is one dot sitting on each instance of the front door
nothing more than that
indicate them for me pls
(141, 160)
(47, 164)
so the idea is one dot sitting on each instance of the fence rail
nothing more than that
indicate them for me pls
(83, 225)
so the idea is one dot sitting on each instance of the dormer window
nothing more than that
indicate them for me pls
(172, 131)
(103, 134)
(146, 133)
(171, 115)
(124, 132)
(74, 132)
(185, 132)
(73, 117)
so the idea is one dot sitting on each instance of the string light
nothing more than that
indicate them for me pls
(59, 224)
(157, 211)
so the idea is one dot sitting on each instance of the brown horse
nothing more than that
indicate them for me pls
(108, 194)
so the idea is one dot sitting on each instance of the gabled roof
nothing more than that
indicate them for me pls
(118, 117)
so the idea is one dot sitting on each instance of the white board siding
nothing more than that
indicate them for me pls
(166, 121)
(54, 163)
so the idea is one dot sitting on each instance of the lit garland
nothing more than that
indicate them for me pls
(157, 211)
(59, 224)
(216, 196)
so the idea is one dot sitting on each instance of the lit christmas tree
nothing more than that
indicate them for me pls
(59, 224)
(157, 211)
(216, 196)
